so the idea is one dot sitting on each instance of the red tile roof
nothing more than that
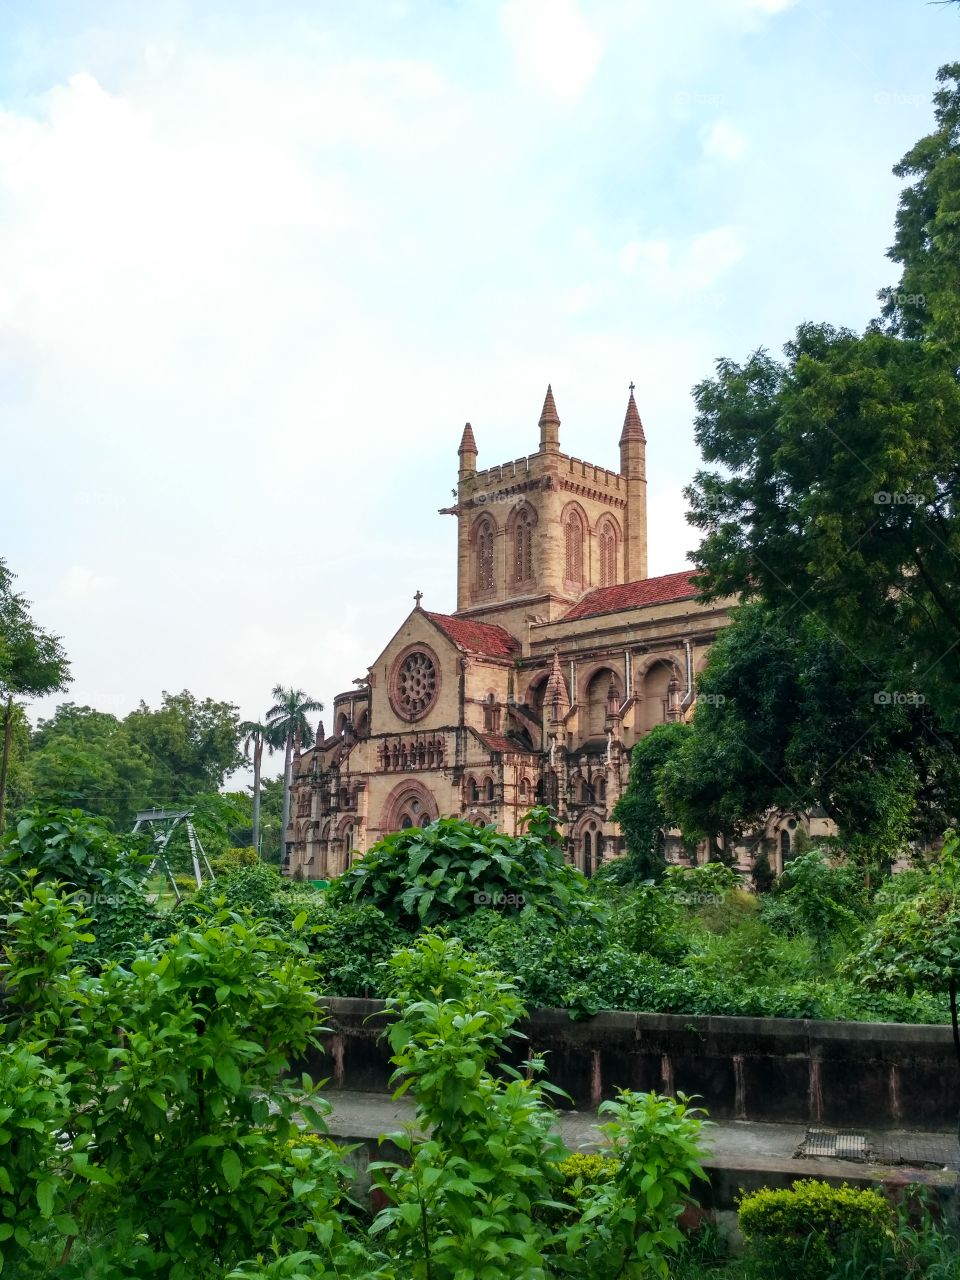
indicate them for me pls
(634, 595)
(477, 637)
(497, 742)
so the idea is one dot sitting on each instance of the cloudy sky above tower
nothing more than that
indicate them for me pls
(261, 259)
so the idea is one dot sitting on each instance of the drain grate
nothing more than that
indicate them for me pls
(827, 1144)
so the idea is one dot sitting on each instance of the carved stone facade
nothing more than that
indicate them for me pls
(561, 654)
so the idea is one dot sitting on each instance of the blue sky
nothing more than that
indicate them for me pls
(259, 262)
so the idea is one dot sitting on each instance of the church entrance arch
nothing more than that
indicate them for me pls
(409, 804)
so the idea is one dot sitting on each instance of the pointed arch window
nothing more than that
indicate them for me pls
(523, 546)
(608, 555)
(485, 575)
(573, 548)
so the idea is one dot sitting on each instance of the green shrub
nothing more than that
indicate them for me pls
(352, 946)
(803, 1231)
(184, 1107)
(450, 868)
(587, 1167)
(259, 890)
(34, 1106)
(479, 1197)
(752, 953)
(71, 848)
(123, 923)
(705, 885)
(629, 1226)
(828, 904)
(647, 919)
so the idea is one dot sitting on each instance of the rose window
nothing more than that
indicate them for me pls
(415, 684)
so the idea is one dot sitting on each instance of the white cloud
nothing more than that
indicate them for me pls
(723, 142)
(81, 582)
(555, 49)
(676, 270)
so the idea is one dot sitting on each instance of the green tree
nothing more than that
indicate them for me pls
(639, 810)
(87, 758)
(271, 818)
(838, 469)
(926, 301)
(450, 868)
(787, 719)
(288, 723)
(193, 742)
(32, 663)
(257, 736)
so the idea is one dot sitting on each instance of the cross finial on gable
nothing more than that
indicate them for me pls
(632, 388)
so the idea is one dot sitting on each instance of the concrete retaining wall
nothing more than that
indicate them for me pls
(793, 1071)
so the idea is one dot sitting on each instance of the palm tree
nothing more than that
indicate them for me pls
(257, 735)
(288, 724)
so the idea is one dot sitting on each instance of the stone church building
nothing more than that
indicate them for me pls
(560, 655)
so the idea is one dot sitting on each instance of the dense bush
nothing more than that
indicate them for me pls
(34, 1105)
(71, 848)
(803, 1230)
(352, 946)
(451, 868)
(475, 1198)
(259, 890)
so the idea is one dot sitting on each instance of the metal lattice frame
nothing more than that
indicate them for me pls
(162, 823)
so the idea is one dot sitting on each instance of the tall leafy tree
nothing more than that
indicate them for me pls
(640, 810)
(837, 470)
(195, 743)
(288, 723)
(32, 662)
(786, 719)
(257, 736)
(86, 758)
(925, 303)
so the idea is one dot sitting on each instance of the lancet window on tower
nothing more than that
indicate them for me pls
(485, 568)
(523, 546)
(573, 548)
(607, 537)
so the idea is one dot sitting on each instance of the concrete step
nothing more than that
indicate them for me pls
(742, 1155)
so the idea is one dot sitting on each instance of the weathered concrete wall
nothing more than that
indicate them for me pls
(839, 1073)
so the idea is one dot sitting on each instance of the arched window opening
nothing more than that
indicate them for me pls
(523, 546)
(785, 850)
(573, 549)
(524, 791)
(602, 791)
(655, 696)
(491, 714)
(598, 691)
(488, 790)
(474, 791)
(586, 792)
(485, 563)
(608, 555)
(587, 854)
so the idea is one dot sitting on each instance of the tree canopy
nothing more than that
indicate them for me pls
(832, 478)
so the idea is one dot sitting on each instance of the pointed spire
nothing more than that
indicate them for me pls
(467, 452)
(549, 424)
(468, 443)
(549, 411)
(632, 426)
(556, 697)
